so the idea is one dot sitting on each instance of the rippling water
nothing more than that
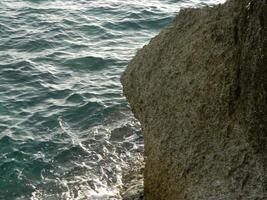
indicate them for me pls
(66, 131)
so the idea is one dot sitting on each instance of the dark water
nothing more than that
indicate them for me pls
(66, 131)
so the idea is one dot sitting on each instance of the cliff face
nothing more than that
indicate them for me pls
(199, 90)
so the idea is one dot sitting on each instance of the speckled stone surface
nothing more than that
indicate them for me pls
(199, 90)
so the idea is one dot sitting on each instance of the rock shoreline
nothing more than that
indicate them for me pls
(133, 181)
(199, 90)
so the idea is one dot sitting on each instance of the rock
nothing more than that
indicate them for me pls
(118, 134)
(135, 192)
(199, 90)
(133, 182)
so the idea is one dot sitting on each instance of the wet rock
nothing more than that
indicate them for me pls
(199, 90)
(118, 134)
(133, 182)
(136, 192)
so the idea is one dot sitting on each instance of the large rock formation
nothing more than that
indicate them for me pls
(199, 90)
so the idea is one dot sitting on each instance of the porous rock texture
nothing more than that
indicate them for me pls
(199, 90)
(133, 182)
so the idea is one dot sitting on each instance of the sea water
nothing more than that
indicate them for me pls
(66, 131)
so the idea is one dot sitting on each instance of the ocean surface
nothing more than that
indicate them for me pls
(66, 131)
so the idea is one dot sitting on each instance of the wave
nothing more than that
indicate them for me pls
(66, 131)
(90, 63)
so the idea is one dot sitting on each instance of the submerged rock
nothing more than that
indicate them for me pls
(199, 90)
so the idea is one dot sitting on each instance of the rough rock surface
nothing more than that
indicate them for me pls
(199, 90)
(133, 182)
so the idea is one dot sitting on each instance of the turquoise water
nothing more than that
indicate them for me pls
(66, 131)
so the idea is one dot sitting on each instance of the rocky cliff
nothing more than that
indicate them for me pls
(199, 90)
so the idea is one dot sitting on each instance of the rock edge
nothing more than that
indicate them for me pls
(199, 90)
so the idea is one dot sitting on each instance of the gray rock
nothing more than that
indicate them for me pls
(199, 90)
(118, 134)
(133, 182)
